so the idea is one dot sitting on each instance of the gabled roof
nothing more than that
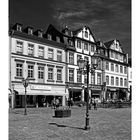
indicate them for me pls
(109, 43)
(80, 29)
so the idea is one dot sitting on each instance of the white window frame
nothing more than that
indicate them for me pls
(50, 53)
(30, 71)
(71, 75)
(59, 74)
(19, 70)
(41, 51)
(30, 49)
(19, 46)
(59, 55)
(50, 73)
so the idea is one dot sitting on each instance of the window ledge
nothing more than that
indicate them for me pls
(16, 77)
(50, 80)
(59, 81)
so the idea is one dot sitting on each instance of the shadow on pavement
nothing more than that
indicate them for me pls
(59, 125)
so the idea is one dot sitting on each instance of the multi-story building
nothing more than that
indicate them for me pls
(40, 57)
(50, 61)
(116, 71)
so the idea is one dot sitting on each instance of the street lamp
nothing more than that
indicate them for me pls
(25, 84)
(85, 68)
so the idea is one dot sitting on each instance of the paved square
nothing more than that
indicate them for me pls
(39, 124)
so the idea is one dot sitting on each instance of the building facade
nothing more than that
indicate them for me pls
(36, 56)
(50, 61)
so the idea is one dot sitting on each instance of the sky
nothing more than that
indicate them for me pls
(107, 19)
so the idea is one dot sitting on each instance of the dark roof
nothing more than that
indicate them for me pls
(107, 44)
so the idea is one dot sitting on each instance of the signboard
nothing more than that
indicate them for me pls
(40, 87)
(95, 87)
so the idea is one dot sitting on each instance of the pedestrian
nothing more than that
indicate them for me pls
(69, 103)
(57, 103)
(54, 103)
(95, 104)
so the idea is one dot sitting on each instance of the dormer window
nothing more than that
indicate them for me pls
(58, 39)
(86, 34)
(49, 37)
(19, 28)
(30, 31)
(39, 34)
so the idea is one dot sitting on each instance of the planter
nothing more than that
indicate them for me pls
(62, 113)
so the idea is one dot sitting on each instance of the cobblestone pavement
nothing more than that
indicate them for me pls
(39, 124)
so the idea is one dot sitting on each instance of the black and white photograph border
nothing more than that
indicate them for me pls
(5, 82)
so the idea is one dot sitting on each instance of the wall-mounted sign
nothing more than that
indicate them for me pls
(95, 87)
(40, 87)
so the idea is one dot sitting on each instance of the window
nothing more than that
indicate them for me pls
(86, 34)
(58, 39)
(39, 34)
(117, 81)
(112, 67)
(112, 80)
(19, 48)
(78, 58)
(71, 75)
(30, 49)
(30, 71)
(19, 68)
(50, 53)
(71, 58)
(79, 44)
(41, 52)
(59, 56)
(116, 55)
(18, 28)
(125, 82)
(70, 43)
(92, 48)
(79, 76)
(50, 73)
(121, 69)
(59, 74)
(30, 31)
(99, 64)
(40, 73)
(49, 37)
(98, 78)
(116, 68)
(121, 82)
(125, 70)
(93, 78)
(86, 46)
(107, 80)
(86, 58)
(112, 54)
(85, 78)
(107, 65)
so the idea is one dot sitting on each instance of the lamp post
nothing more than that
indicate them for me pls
(85, 68)
(25, 84)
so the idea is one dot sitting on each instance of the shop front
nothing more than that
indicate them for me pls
(116, 93)
(96, 92)
(39, 95)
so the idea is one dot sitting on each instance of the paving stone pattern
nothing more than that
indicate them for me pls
(39, 124)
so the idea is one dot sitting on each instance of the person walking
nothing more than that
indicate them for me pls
(95, 104)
